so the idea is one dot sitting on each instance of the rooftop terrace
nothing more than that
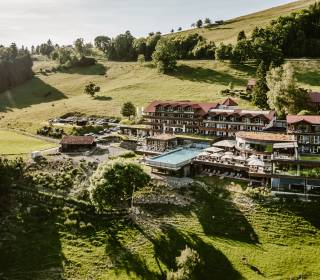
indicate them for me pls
(265, 136)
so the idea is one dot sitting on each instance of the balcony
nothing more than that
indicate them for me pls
(283, 157)
(235, 122)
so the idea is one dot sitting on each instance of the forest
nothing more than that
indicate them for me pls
(15, 67)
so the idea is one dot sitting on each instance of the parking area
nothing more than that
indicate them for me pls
(99, 154)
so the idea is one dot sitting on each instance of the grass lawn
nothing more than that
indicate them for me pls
(30, 105)
(228, 32)
(13, 143)
(54, 94)
(311, 157)
(277, 240)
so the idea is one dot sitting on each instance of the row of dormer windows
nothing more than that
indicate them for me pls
(236, 119)
(171, 109)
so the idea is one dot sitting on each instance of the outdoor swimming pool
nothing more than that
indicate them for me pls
(175, 159)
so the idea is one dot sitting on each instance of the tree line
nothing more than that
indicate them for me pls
(67, 56)
(15, 66)
(293, 36)
(125, 47)
(277, 89)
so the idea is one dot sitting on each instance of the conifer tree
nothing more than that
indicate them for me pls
(259, 94)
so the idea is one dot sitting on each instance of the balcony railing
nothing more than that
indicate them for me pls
(235, 122)
(283, 157)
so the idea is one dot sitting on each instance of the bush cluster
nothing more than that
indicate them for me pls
(51, 132)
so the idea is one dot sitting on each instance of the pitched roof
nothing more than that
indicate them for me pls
(265, 136)
(77, 140)
(241, 113)
(205, 107)
(230, 102)
(315, 97)
(308, 119)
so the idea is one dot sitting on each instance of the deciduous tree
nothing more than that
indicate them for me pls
(165, 56)
(114, 183)
(79, 46)
(199, 23)
(128, 110)
(284, 95)
(141, 59)
(223, 52)
(241, 36)
(207, 21)
(91, 89)
(102, 43)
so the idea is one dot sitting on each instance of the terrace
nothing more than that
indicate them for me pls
(297, 169)
(296, 186)
(228, 159)
(285, 151)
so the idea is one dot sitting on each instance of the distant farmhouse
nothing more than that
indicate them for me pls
(77, 143)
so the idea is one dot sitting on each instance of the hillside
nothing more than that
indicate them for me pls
(235, 236)
(229, 30)
(54, 94)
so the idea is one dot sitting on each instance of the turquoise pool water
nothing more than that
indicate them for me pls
(175, 159)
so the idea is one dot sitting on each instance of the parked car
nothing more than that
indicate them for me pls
(102, 122)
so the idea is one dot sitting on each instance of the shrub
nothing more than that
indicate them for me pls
(70, 223)
(114, 182)
(260, 193)
(187, 262)
(128, 155)
(82, 225)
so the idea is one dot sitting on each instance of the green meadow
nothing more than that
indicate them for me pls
(50, 95)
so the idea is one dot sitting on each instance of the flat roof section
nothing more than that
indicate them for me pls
(163, 137)
(225, 144)
(265, 136)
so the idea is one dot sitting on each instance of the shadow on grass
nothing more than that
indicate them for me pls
(205, 75)
(102, 98)
(311, 78)
(125, 259)
(30, 93)
(309, 211)
(220, 217)
(32, 248)
(97, 69)
(150, 65)
(249, 70)
(171, 242)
